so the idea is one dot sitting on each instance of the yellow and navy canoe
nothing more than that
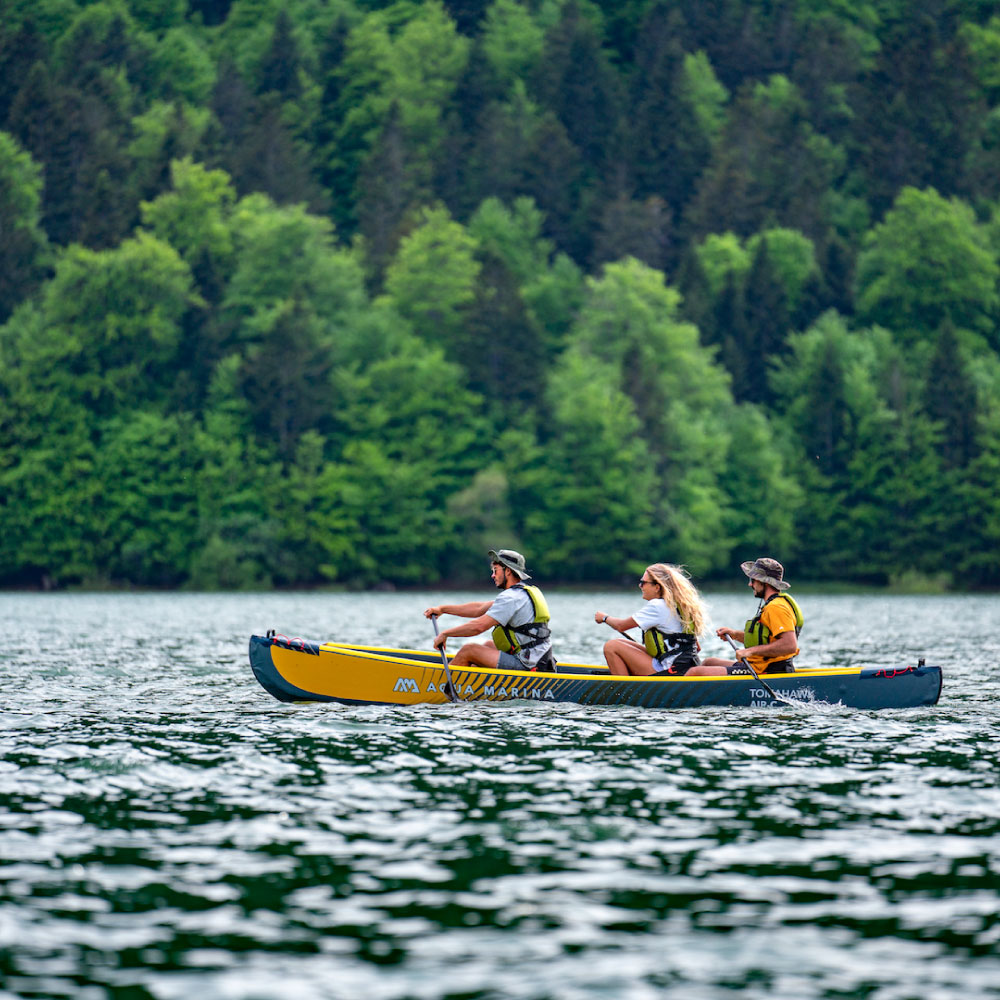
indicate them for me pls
(302, 670)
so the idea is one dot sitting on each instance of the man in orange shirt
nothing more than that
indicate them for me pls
(770, 638)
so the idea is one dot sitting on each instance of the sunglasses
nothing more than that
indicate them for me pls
(644, 581)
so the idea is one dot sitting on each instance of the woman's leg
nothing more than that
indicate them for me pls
(710, 667)
(627, 657)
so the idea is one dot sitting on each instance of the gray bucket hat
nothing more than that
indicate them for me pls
(511, 559)
(767, 571)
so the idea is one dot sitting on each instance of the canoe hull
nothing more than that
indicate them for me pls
(300, 670)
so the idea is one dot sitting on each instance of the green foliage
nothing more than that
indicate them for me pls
(793, 257)
(432, 280)
(408, 56)
(722, 257)
(977, 539)
(928, 262)
(24, 248)
(112, 323)
(868, 457)
(482, 513)
(770, 167)
(298, 292)
(512, 40)
(630, 323)
(180, 67)
(195, 219)
(591, 496)
(49, 493)
(158, 15)
(983, 42)
(701, 90)
(145, 511)
(757, 465)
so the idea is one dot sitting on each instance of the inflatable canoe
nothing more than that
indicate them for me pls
(301, 670)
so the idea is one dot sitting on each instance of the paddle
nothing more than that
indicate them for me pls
(449, 688)
(774, 694)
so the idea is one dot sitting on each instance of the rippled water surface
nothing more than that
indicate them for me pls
(168, 830)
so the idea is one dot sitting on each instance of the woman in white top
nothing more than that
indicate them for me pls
(671, 620)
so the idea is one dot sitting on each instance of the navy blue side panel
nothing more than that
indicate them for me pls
(272, 682)
(893, 686)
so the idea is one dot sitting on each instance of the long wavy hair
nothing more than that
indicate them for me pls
(677, 590)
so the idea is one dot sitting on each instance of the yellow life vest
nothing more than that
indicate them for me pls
(505, 637)
(659, 643)
(756, 633)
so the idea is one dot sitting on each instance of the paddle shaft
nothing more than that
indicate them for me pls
(451, 691)
(774, 694)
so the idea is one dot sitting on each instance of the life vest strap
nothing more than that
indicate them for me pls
(536, 634)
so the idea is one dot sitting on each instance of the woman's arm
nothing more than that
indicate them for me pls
(618, 624)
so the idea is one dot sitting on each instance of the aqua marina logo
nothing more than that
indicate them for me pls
(408, 685)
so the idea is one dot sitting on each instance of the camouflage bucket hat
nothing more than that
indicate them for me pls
(511, 559)
(767, 571)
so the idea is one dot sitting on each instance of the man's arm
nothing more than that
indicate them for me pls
(784, 645)
(474, 609)
(475, 627)
(737, 634)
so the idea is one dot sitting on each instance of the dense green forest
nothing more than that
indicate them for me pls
(300, 292)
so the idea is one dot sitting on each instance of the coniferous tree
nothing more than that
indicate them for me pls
(279, 69)
(212, 12)
(632, 228)
(769, 168)
(697, 304)
(388, 191)
(24, 248)
(658, 58)
(554, 178)
(917, 107)
(766, 312)
(950, 399)
(578, 82)
(501, 349)
(73, 136)
(467, 14)
(729, 327)
(21, 46)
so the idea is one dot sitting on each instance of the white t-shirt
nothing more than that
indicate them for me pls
(514, 607)
(656, 614)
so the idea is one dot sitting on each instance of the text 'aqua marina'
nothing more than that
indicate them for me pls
(409, 686)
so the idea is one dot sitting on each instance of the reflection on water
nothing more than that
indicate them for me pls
(168, 830)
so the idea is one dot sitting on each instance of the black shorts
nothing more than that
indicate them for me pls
(681, 665)
(740, 669)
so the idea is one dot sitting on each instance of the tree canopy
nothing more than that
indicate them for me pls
(298, 293)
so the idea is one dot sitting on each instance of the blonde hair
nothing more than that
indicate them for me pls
(677, 589)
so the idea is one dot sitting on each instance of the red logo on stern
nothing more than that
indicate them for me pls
(895, 672)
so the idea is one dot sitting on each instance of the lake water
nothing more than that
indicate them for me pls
(168, 830)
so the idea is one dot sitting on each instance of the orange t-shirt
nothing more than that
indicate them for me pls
(778, 618)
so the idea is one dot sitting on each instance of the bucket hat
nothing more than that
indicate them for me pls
(511, 559)
(767, 571)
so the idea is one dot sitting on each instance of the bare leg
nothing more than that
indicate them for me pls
(627, 657)
(711, 666)
(476, 654)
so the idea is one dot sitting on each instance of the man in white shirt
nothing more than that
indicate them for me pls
(518, 617)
